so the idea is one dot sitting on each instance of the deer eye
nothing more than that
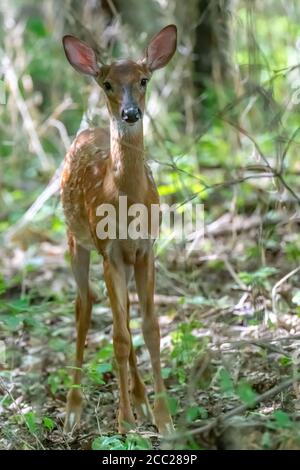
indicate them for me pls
(144, 82)
(107, 86)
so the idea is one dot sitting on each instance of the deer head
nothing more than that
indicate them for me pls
(124, 81)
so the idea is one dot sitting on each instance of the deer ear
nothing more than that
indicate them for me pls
(81, 56)
(161, 48)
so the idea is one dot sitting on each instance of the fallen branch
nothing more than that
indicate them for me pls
(235, 411)
(278, 284)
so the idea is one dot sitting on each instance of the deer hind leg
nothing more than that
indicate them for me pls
(115, 279)
(138, 389)
(80, 260)
(144, 276)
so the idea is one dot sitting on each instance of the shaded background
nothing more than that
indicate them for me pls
(221, 129)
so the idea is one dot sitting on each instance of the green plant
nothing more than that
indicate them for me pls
(131, 442)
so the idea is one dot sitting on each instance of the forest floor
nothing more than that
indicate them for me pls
(227, 339)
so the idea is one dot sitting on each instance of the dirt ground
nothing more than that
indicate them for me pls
(225, 342)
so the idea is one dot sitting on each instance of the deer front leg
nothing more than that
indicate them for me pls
(115, 280)
(80, 259)
(144, 276)
(138, 389)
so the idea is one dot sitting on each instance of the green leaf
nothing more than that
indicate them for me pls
(282, 420)
(285, 361)
(48, 423)
(12, 321)
(19, 305)
(108, 443)
(166, 372)
(3, 285)
(196, 412)
(135, 442)
(245, 393)
(172, 405)
(266, 441)
(225, 381)
(59, 379)
(54, 383)
(57, 344)
(103, 368)
(36, 26)
(105, 353)
(259, 276)
(31, 423)
(167, 189)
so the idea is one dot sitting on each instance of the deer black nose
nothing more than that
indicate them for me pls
(131, 114)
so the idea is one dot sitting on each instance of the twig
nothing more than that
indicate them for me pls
(66, 104)
(287, 187)
(278, 284)
(266, 340)
(260, 344)
(225, 184)
(5, 388)
(235, 411)
(12, 80)
(285, 151)
(15, 232)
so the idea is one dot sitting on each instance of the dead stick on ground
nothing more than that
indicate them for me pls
(278, 284)
(235, 411)
(259, 344)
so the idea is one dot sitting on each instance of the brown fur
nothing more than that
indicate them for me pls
(100, 167)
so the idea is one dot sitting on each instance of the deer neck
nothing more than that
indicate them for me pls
(127, 155)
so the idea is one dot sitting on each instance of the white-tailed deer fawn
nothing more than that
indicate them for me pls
(99, 168)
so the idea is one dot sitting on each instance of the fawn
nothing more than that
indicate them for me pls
(100, 167)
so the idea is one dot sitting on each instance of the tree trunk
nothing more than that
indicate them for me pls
(212, 49)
